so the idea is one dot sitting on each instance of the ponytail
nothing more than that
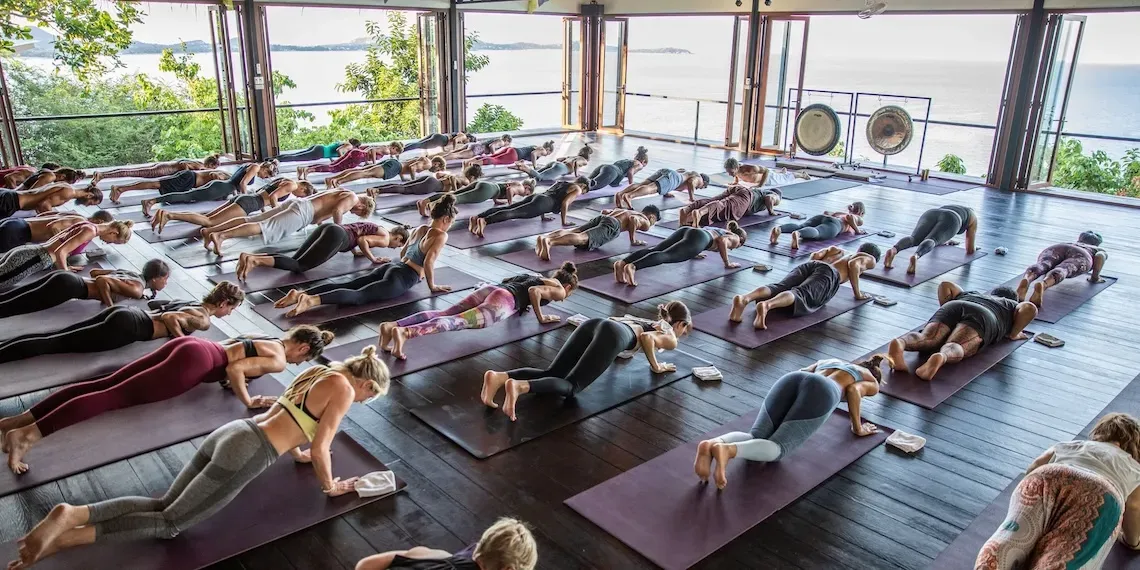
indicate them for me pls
(567, 275)
(874, 365)
(735, 228)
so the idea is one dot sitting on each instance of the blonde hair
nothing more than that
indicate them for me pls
(1121, 429)
(122, 228)
(506, 544)
(365, 366)
(369, 202)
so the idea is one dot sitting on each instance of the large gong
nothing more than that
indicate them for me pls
(817, 129)
(889, 130)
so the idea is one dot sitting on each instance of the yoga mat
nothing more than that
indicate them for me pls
(51, 370)
(57, 317)
(923, 187)
(173, 231)
(433, 350)
(284, 499)
(806, 247)
(601, 194)
(133, 198)
(466, 211)
(964, 550)
(780, 321)
(661, 510)
(559, 255)
(662, 279)
(458, 281)
(196, 207)
(505, 231)
(950, 379)
(194, 255)
(125, 433)
(265, 278)
(745, 222)
(389, 201)
(943, 259)
(1065, 297)
(816, 187)
(484, 431)
(662, 202)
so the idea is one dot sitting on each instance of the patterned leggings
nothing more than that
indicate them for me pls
(488, 305)
(149, 171)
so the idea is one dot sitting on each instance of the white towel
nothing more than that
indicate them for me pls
(707, 373)
(577, 319)
(375, 484)
(907, 442)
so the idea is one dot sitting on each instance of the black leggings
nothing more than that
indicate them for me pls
(478, 191)
(321, 245)
(315, 152)
(385, 282)
(604, 175)
(935, 227)
(114, 327)
(683, 245)
(589, 351)
(14, 232)
(419, 186)
(213, 191)
(818, 227)
(529, 207)
(438, 140)
(46, 292)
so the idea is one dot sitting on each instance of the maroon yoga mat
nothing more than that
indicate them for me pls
(484, 431)
(1066, 297)
(458, 281)
(125, 433)
(559, 255)
(196, 207)
(661, 510)
(284, 499)
(51, 370)
(662, 279)
(784, 248)
(265, 278)
(745, 222)
(950, 379)
(662, 202)
(780, 322)
(943, 259)
(427, 351)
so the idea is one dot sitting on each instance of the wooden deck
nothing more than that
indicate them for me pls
(887, 510)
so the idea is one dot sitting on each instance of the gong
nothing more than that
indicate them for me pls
(889, 130)
(817, 129)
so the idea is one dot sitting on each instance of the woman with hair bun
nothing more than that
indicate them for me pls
(685, 244)
(612, 174)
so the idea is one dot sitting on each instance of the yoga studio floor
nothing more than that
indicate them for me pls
(885, 510)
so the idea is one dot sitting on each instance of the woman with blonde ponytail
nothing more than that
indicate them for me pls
(798, 404)
(230, 458)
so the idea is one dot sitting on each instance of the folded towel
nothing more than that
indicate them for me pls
(375, 484)
(907, 442)
(577, 319)
(707, 373)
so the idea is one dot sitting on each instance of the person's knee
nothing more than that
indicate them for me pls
(1056, 275)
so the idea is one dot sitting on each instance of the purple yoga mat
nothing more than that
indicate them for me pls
(506, 231)
(923, 187)
(745, 222)
(57, 317)
(1066, 297)
(458, 281)
(944, 258)
(172, 232)
(125, 433)
(600, 194)
(780, 322)
(559, 255)
(950, 379)
(806, 247)
(192, 254)
(389, 201)
(433, 350)
(284, 499)
(51, 370)
(661, 510)
(196, 207)
(265, 278)
(466, 211)
(662, 279)
(662, 202)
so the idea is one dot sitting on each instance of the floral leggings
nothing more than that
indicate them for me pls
(488, 305)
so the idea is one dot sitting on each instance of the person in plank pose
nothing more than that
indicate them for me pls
(44, 199)
(318, 151)
(506, 545)
(733, 204)
(757, 175)
(48, 176)
(553, 170)
(388, 168)
(481, 191)
(290, 217)
(268, 196)
(555, 201)
(189, 186)
(600, 230)
(324, 243)
(662, 183)
(683, 245)
(24, 260)
(936, 227)
(613, 174)
(15, 232)
(157, 169)
(474, 149)
(823, 227)
(104, 285)
(1062, 261)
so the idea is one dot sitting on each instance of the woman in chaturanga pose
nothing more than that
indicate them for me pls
(352, 159)
(487, 305)
(12, 177)
(556, 200)
(613, 174)
(46, 198)
(662, 183)
(733, 204)
(965, 323)
(48, 176)
(22, 261)
(417, 262)
(1062, 261)
(602, 229)
(324, 243)
(555, 169)
(589, 352)
(760, 175)
(1073, 502)
(104, 285)
(388, 168)
(798, 404)
(157, 169)
(936, 227)
(446, 142)
(474, 149)
(309, 412)
(822, 227)
(393, 148)
(684, 244)
(190, 186)
(268, 196)
(318, 151)
(441, 183)
(293, 216)
(481, 191)
(170, 371)
(506, 545)
(15, 232)
(809, 285)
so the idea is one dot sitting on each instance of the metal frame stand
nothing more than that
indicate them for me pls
(790, 121)
(925, 123)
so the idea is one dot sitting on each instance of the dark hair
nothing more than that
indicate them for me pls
(51, 166)
(652, 210)
(313, 337)
(101, 217)
(874, 366)
(402, 231)
(399, 146)
(567, 275)
(730, 165)
(585, 151)
(675, 312)
(94, 196)
(549, 146)
(272, 165)
(642, 155)
(872, 250)
(470, 137)
(506, 138)
(437, 163)
(70, 175)
(583, 181)
(210, 161)
(354, 142)
(473, 172)
(858, 208)
(1004, 292)
(735, 228)
(444, 207)
(153, 269)
(1090, 238)
(704, 178)
(224, 292)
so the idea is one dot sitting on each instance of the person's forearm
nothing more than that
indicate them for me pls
(536, 304)
(649, 349)
(322, 464)
(104, 288)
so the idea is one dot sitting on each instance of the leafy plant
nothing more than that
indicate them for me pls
(493, 118)
(86, 34)
(839, 151)
(1096, 172)
(952, 164)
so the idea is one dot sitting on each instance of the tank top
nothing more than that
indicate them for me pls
(624, 165)
(502, 193)
(163, 307)
(356, 230)
(967, 215)
(1104, 459)
(716, 232)
(463, 560)
(415, 253)
(557, 195)
(329, 150)
(836, 364)
(240, 173)
(519, 287)
(525, 152)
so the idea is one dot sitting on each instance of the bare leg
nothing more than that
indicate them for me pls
(43, 539)
(117, 191)
(290, 298)
(12, 422)
(932, 336)
(244, 230)
(785, 299)
(191, 218)
(492, 383)
(740, 302)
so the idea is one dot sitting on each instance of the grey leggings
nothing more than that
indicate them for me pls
(549, 172)
(228, 460)
(816, 228)
(796, 406)
(934, 228)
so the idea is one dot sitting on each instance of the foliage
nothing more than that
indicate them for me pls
(493, 118)
(86, 34)
(839, 151)
(952, 164)
(1096, 172)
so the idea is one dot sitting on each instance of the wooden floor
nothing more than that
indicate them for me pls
(887, 510)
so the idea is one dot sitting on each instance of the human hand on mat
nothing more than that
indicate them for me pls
(546, 319)
(638, 242)
(731, 265)
(382, 260)
(260, 402)
(700, 256)
(866, 429)
(441, 289)
(1019, 336)
(863, 296)
(342, 487)
(75, 268)
(664, 367)
(303, 455)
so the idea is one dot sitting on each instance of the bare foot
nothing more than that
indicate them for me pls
(117, 193)
(492, 383)
(512, 388)
(399, 337)
(774, 237)
(1022, 289)
(722, 453)
(290, 298)
(17, 443)
(702, 465)
(761, 321)
(480, 226)
(910, 269)
(386, 329)
(897, 351)
(422, 207)
(302, 172)
(932, 366)
(216, 241)
(146, 206)
(738, 306)
(889, 258)
(41, 541)
(304, 303)
(96, 178)
(795, 240)
(1038, 295)
(630, 275)
(619, 271)
(14, 422)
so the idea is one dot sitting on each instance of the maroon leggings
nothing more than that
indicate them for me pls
(351, 159)
(173, 369)
(507, 155)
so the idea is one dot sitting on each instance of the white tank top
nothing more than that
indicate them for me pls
(1104, 459)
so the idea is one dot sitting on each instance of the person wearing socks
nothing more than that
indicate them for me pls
(613, 174)
(353, 158)
(104, 285)
(733, 204)
(49, 176)
(119, 326)
(442, 183)
(556, 168)
(319, 151)
(506, 545)
(514, 155)
(290, 217)
(482, 191)
(934, 228)
(387, 169)
(231, 457)
(443, 141)
(474, 149)
(684, 244)
(158, 169)
(1059, 262)
(324, 243)
(822, 227)
(965, 323)
(600, 230)
(487, 305)
(46, 198)
(417, 262)
(170, 371)
(757, 175)
(15, 232)
(798, 404)
(22, 261)
(809, 285)
(589, 352)
(556, 200)
(268, 196)
(662, 183)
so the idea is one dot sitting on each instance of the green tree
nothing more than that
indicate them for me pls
(86, 34)
(1096, 172)
(952, 164)
(493, 118)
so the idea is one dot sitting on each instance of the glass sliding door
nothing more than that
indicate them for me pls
(738, 76)
(615, 46)
(1063, 45)
(429, 73)
(229, 51)
(572, 73)
(783, 57)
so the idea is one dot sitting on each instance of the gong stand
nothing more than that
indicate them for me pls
(796, 94)
(860, 103)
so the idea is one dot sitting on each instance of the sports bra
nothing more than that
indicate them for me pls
(836, 364)
(163, 307)
(124, 275)
(300, 413)
(716, 232)
(415, 254)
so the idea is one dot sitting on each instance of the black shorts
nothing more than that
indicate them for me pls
(982, 320)
(9, 203)
(14, 232)
(249, 203)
